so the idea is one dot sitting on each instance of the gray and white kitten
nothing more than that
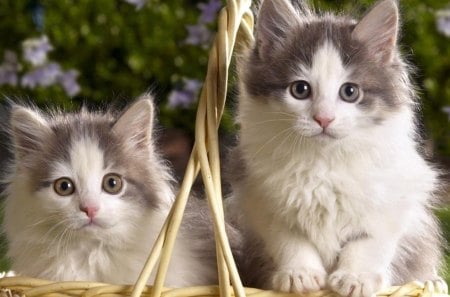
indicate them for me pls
(87, 195)
(328, 184)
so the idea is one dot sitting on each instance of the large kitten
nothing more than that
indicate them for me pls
(87, 196)
(328, 182)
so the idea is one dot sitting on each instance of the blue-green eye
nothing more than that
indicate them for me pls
(349, 92)
(64, 186)
(300, 89)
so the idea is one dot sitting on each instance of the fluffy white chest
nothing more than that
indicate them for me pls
(87, 261)
(312, 199)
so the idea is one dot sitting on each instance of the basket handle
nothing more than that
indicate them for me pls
(205, 156)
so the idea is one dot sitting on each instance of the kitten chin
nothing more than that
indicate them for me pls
(87, 194)
(330, 190)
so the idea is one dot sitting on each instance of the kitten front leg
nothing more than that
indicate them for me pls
(299, 268)
(363, 267)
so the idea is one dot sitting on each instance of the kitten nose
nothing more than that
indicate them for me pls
(323, 121)
(90, 211)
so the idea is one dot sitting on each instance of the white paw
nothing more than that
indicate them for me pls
(440, 286)
(348, 284)
(298, 281)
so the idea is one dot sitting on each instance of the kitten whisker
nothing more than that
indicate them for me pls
(55, 228)
(293, 131)
(298, 139)
(61, 243)
(270, 121)
(282, 113)
(68, 241)
(271, 140)
(42, 221)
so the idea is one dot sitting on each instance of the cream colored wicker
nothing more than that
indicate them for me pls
(235, 23)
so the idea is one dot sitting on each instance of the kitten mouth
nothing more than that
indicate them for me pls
(325, 134)
(92, 224)
(89, 226)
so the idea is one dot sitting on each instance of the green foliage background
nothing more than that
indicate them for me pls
(121, 52)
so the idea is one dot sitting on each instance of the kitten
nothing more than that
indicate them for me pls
(328, 183)
(87, 195)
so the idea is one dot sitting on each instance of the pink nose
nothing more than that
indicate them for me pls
(323, 121)
(90, 211)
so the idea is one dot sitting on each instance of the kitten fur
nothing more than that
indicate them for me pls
(329, 193)
(51, 237)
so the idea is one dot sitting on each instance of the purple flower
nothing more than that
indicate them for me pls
(192, 85)
(180, 98)
(209, 10)
(30, 80)
(187, 95)
(44, 76)
(51, 74)
(198, 34)
(8, 77)
(443, 22)
(68, 81)
(137, 3)
(35, 50)
(9, 69)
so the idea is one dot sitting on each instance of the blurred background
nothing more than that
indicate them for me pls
(68, 53)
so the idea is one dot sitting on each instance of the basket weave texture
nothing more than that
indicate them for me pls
(235, 30)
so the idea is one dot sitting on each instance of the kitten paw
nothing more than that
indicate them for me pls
(440, 286)
(299, 281)
(349, 284)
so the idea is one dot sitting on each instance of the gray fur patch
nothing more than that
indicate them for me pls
(418, 256)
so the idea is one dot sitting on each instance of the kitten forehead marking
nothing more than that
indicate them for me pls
(327, 73)
(86, 156)
(74, 136)
(87, 162)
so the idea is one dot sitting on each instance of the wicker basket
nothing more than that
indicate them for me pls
(235, 24)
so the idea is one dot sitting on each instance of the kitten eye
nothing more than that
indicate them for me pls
(349, 92)
(300, 89)
(64, 186)
(112, 183)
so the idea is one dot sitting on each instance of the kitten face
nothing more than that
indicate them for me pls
(86, 174)
(329, 77)
(321, 97)
(86, 190)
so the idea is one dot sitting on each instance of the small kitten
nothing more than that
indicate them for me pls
(327, 180)
(87, 195)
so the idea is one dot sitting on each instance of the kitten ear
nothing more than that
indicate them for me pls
(379, 30)
(29, 131)
(135, 125)
(275, 18)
